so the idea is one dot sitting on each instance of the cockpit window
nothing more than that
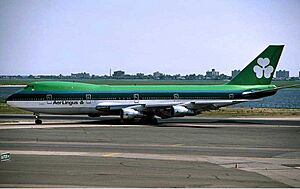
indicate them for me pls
(29, 86)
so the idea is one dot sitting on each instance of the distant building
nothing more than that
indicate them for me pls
(282, 74)
(140, 75)
(82, 75)
(212, 74)
(157, 75)
(235, 73)
(118, 73)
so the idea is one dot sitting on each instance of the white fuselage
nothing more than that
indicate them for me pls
(69, 107)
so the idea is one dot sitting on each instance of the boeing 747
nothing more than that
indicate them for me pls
(148, 101)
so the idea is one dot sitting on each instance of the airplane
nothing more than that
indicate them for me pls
(147, 102)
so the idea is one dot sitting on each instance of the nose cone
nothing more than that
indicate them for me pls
(8, 100)
(14, 99)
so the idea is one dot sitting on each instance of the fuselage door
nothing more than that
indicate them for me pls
(176, 97)
(136, 98)
(49, 98)
(88, 98)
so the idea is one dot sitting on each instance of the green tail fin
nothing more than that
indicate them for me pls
(261, 70)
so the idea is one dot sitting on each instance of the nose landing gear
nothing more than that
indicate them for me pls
(38, 121)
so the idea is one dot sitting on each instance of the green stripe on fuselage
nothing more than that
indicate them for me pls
(72, 90)
(75, 86)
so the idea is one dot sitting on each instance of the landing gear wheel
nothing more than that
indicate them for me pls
(38, 121)
(149, 120)
(126, 121)
(153, 121)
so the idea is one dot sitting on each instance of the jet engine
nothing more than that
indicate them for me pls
(180, 111)
(128, 113)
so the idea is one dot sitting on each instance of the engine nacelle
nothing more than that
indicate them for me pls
(180, 111)
(128, 113)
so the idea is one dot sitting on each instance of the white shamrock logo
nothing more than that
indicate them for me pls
(262, 69)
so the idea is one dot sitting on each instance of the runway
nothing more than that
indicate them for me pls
(183, 152)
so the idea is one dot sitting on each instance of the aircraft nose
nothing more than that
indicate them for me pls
(8, 100)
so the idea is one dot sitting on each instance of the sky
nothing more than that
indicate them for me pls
(170, 36)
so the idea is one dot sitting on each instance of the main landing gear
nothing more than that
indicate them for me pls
(38, 120)
(149, 120)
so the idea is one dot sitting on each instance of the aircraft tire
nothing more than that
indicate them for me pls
(149, 120)
(38, 121)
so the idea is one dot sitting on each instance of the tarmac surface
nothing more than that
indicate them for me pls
(78, 151)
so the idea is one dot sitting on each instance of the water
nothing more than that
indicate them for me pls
(286, 98)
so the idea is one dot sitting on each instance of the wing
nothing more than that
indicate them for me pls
(166, 109)
(206, 105)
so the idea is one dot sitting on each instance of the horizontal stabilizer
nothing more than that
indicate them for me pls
(262, 93)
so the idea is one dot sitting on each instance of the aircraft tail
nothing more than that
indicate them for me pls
(261, 70)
